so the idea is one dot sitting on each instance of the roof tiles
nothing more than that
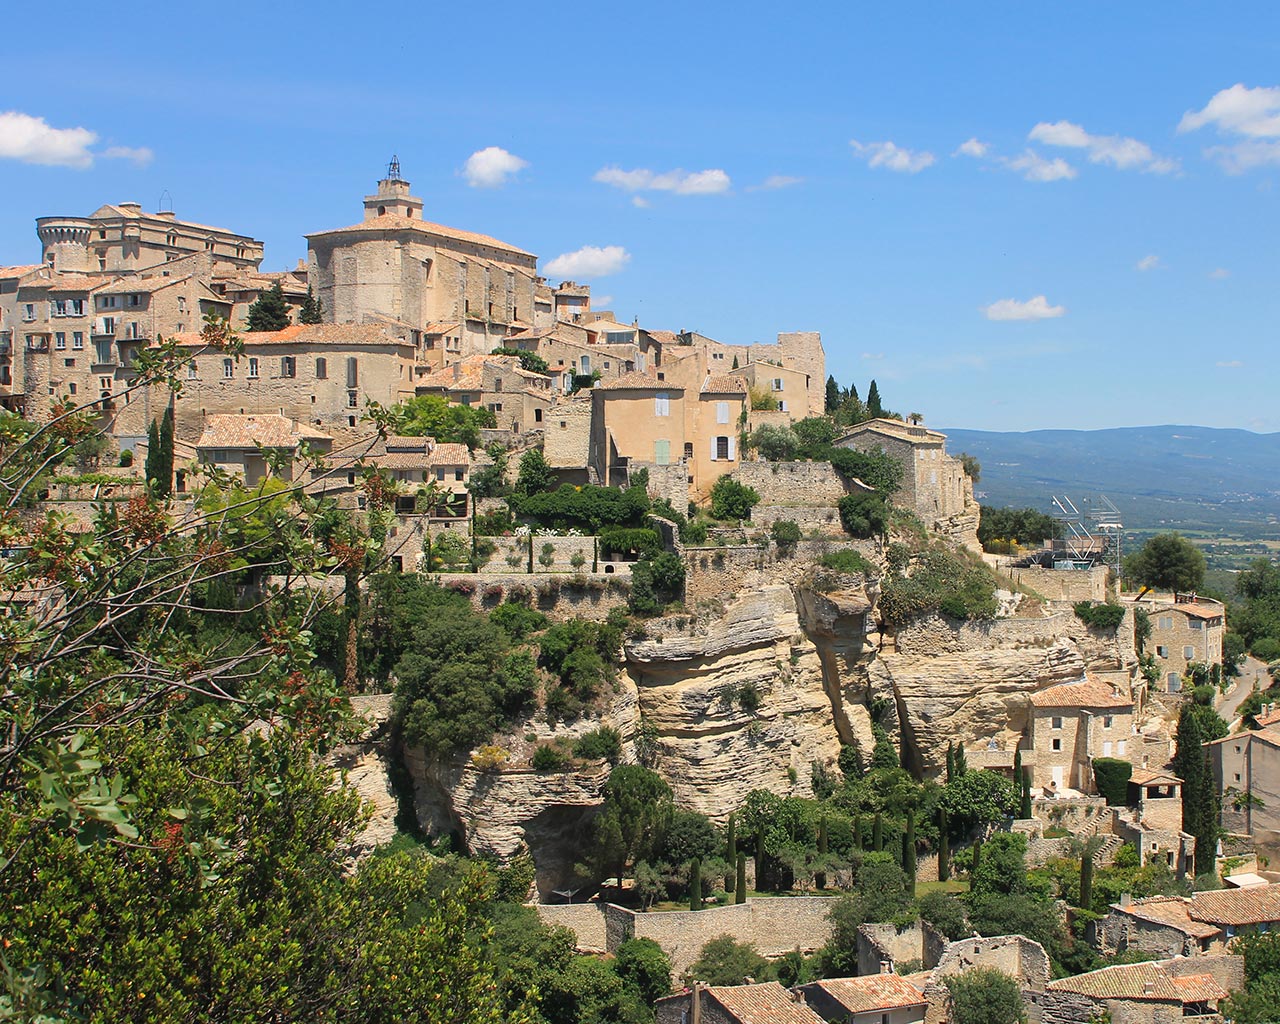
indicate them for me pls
(1087, 693)
(767, 1003)
(872, 992)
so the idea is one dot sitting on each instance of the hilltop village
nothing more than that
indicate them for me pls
(696, 651)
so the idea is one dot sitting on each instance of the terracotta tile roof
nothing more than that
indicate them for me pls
(1270, 718)
(144, 286)
(1255, 905)
(872, 992)
(450, 454)
(19, 270)
(1087, 693)
(640, 382)
(1199, 988)
(81, 283)
(1154, 776)
(394, 222)
(405, 443)
(1170, 911)
(663, 337)
(231, 430)
(439, 327)
(767, 1003)
(1199, 610)
(307, 334)
(723, 386)
(1122, 981)
(896, 428)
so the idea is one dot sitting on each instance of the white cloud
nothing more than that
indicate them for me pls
(492, 167)
(1117, 150)
(589, 261)
(33, 141)
(1244, 156)
(1238, 111)
(1229, 364)
(873, 355)
(973, 148)
(1035, 308)
(601, 301)
(640, 202)
(1149, 262)
(140, 156)
(892, 157)
(775, 181)
(1221, 274)
(1034, 167)
(693, 183)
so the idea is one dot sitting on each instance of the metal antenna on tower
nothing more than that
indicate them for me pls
(160, 204)
(393, 168)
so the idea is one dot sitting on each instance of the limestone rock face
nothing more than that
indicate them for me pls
(364, 764)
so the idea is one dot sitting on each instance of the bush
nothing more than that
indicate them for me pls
(726, 962)
(549, 758)
(775, 444)
(1266, 649)
(587, 506)
(126, 458)
(785, 532)
(535, 474)
(517, 620)
(1099, 616)
(580, 653)
(732, 500)
(848, 561)
(875, 469)
(602, 744)
(655, 583)
(494, 524)
(639, 539)
(939, 581)
(864, 515)
(1112, 778)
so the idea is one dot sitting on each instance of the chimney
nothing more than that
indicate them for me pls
(886, 966)
(696, 999)
(1126, 898)
(1149, 989)
(797, 995)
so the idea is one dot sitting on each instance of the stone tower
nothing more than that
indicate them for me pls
(392, 198)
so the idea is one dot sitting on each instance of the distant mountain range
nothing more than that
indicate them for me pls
(1186, 477)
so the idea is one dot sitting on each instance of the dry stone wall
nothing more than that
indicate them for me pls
(793, 483)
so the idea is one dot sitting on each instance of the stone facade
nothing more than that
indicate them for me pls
(812, 484)
(1061, 584)
(1020, 958)
(1073, 723)
(887, 947)
(1184, 632)
(1247, 764)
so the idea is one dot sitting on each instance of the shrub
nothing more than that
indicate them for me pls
(776, 444)
(517, 620)
(939, 581)
(126, 458)
(655, 583)
(785, 532)
(696, 533)
(875, 469)
(848, 561)
(732, 500)
(495, 523)
(1099, 616)
(587, 506)
(603, 743)
(1266, 649)
(1112, 778)
(549, 758)
(489, 758)
(864, 515)
(641, 539)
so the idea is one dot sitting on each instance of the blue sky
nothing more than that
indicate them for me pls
(1102, 253)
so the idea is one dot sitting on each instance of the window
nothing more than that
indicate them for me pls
(1188, 651)
(288, 366)
(182, 303)
(497, 383)
(458, 474)
(322, 369)
(1057, 743)
(353, 371)
(228, 369)
(662, 404)
(688, 450)
(353, 400)
(60, 340)
(1120, 748)
(1175, 684)
(29, 311)
(58, 307)
(1056, 722)
(721, 448)
(1195, 624)
(1162, 651)
(253, 366)
(71, 388)
(104, 352)
(776, 384)
(135, 300)
(782, 405)
(1237, 776)
(1106, 748)
(65, 362)
(105, 384)
(191, 370)
(1107, 721)
(1164, 622)
(77, 307)
(662, 452)
(537, 415)
(722, 412)
(77, 339)
(439, 475)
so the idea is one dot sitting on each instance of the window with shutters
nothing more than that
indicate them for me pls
(228, 368)
(353, 371)
(662, 452)
(1188, 652)
(253, 366)
(722, 412)
(288, 366)
(322, 369)
(722, 448)
(662, 404)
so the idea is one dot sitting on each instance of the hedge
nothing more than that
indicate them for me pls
(1112, 778)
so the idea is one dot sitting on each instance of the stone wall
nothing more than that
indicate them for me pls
(774, 925)
(712, 573)
(585, 595)
(811, 519)
(1062, 584)
(511, 555)
(792, 483)
(880, 942)
(587, 921)
(1021, 958)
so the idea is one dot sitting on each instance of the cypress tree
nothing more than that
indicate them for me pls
(909, 851)
(735, 363)
(874, 409)
(312, 309)
(1086, 880)
(1024, 811)
(851, 396)
(164, 485)
(740, 893)
(695, 884)
(944, 847)
(833, 395)
(877, 834)
(760, 871)
(977, 861)
(731, 854)
(1017, 765)
(270, 312)
(151, 468)
(857, 831)
(951, 762)
(820, 877)
(1200, 801)
(962, 765)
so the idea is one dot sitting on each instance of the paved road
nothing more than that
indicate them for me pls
(1252, 671)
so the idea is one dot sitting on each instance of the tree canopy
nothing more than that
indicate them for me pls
(433, 416)
(270, 312)
(1166, 562)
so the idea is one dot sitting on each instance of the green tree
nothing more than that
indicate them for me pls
(731, 854)
(695, 884)
(270, 312)
(944, 846)
(530, 361)
(732, 500)
(724, 961)
(740, 888)
(946, 913)
(312, 309)
(833, 397)
(774, 443)
(1086, 880)
(984, 995)
(909, 852)
(152, 468)
(979, 798)
(535, 476)
(874, 409)
(1168, 562)
(642, 963)
(164, 469)
(631, 825)
(1201, 810)
(433, 416)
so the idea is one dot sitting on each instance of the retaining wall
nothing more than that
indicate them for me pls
(792, 483)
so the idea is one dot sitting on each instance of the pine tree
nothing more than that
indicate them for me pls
(874, 409)
(833, 395)
(740, 892)
(695, 884)
(731, 854)
(1086, 880)
(944, 847)
(820, 877)
(270, 312)
(312, 309)
(151, 468)
(164, 484)
(909, 851)
(877, 834)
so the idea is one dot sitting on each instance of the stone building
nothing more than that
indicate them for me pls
(934, 484)
(120, 238)
(1246, 768)
(1071, 724)
(1152, 820)
(395, 264)
(789, 387)
(242, 288)
(323, 375)
(765, 1003)
(883, 998)
(244, 446)
(636, 420)
(1184, 631)
(518, 398)
(1160, 925)
(1158, 992)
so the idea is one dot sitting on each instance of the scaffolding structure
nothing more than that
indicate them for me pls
(1092, 529)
